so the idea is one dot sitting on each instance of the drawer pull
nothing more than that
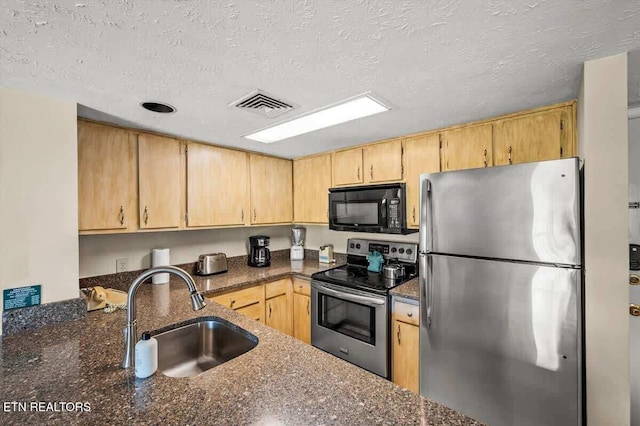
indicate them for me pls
(232, 302)
(410, 314)
(269, 310)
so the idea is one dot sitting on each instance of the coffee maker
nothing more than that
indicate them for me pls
(259, 255)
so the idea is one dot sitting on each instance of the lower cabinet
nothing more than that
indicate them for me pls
(405, 332)
(302, 310)
(278, 305)
(247, 301)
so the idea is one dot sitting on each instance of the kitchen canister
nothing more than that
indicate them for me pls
(160, 257)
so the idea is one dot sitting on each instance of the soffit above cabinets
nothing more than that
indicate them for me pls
(439, 63)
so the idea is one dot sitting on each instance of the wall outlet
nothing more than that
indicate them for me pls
(122, 265)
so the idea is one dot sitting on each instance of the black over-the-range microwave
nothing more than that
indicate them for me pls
(372, 208)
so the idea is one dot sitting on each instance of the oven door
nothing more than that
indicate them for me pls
(352, 325)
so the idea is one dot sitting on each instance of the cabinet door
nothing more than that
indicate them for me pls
(383, 162)
(106, 178)
(217, 186)
(533, 137)
(312, 180)
(405, 356)
(271, 190)
(421, 155)
(302, 317)
(160, 169)
(347, 167)
(278, 313)
(467, 147)
(247, 301)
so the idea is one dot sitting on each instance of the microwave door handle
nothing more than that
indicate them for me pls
(349, 296)
(383, 213)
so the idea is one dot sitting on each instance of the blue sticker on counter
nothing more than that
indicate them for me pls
(21, 297)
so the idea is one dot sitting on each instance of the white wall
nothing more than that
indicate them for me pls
(38, 194)
(98, 253)
(603, 145)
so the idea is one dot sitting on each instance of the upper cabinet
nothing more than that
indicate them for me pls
(421, 155)
(467, 147)
(160, 182)
(383, 162)
(347, 167)
(312, 177)
(217, 186)
(539, 136)
(106, 179)
(271, 189)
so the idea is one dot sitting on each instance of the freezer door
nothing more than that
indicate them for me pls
(500, 341)
(524, 212)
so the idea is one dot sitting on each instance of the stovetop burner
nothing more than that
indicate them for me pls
(357, 276)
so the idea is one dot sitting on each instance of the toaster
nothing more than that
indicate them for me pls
(213, 263)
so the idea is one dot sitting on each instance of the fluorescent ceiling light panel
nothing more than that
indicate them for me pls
(352, 109)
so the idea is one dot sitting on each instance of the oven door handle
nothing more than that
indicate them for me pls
(350, 296)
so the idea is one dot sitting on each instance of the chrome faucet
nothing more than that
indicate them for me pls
(131, 331)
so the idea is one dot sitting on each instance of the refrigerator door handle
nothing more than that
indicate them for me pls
(426, 286)
(426, 217)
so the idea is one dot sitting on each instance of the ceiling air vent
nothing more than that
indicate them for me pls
(264, 104)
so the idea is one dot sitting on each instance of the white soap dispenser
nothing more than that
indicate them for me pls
(146, 354)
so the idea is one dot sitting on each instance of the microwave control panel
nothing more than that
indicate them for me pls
(394, 213)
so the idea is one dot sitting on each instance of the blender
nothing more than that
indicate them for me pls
(297, 239)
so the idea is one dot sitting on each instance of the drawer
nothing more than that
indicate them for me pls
(302, 286)
(406, 313)
(277, 288)
(254, 311)
(241, 298)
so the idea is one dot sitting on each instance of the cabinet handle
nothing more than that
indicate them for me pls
(309, 307)
(232, 303)
(398, 334)
(242, 215)
(254, 215)
(146, 215)
(510, 161)
(414, 214)
(121, 215)
(371, 171)
(485, 158)
(358, 173)
(269, 310)
(409, 314)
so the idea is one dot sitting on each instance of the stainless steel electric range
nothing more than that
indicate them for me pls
(350, 306)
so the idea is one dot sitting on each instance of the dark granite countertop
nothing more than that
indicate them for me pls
(281, 381)
(409, 290)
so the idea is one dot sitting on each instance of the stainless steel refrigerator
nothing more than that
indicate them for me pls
(501, 298)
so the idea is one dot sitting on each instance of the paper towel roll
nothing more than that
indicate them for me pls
(160, 257)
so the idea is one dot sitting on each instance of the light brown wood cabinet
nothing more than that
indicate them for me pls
(383, 162)
(421, 155)
(467, 147)
(107, 193)
(312, 178)
(347, 167)
(160, 182)
(279, 305)
(545, 135)
(302, 310)
(217, 186)
(249, 301)
(271, 190)
(405, 332)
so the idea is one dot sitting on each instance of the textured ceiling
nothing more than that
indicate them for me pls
(438, 62)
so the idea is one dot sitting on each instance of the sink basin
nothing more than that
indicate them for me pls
(201, 344)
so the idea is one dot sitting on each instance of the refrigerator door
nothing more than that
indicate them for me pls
(500, 341)
(524, 212)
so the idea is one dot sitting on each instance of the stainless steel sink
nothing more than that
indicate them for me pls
(200, 345)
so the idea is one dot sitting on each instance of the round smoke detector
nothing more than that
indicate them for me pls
(158, 107)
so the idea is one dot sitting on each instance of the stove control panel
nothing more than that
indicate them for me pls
(405, 252)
